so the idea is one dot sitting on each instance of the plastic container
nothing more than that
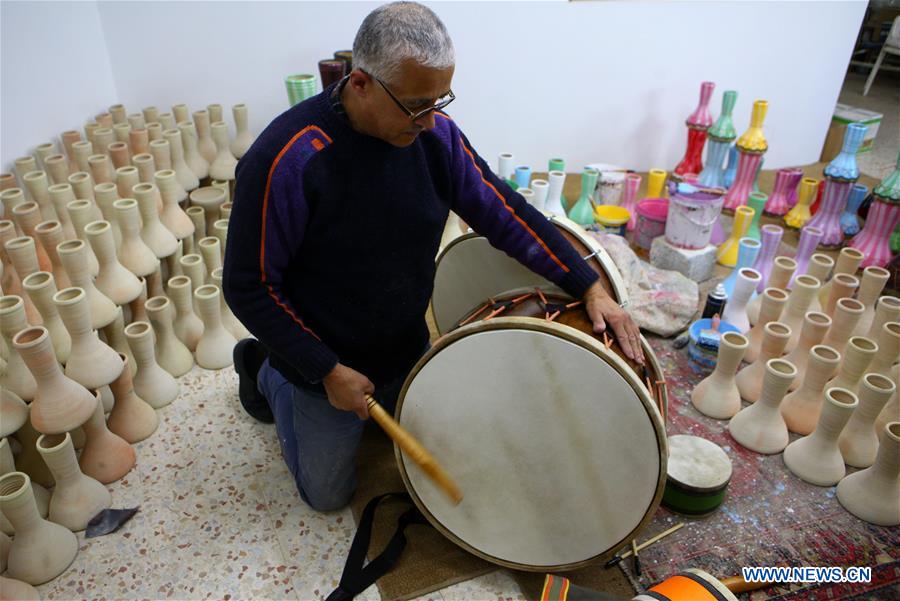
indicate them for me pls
(651, 221)
(692, 216)
(611, 219)
(703, 359)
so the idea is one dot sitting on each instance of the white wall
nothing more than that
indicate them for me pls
(55, 73)
(590, 81)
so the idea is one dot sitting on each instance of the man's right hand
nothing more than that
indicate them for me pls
(347, 390)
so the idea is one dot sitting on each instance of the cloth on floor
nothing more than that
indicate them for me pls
(660, 301)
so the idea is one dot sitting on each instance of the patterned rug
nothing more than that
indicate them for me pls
(769, 517)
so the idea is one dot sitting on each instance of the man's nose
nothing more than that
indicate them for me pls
(426, 121)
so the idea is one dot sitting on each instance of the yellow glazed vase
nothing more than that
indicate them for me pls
(799, 215)
(727, 252)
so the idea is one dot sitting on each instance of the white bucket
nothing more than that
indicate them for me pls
(691, 219)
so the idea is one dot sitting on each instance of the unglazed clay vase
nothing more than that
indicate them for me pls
(847, 263)
(736, 309)
(154, 234)
(231, 323)
(760, 426)
(7, 465)
(193, 267)
(210, 199)
(23, 261)
(891, 411)
(750, 379)
(717, 396)
(805, 288)
(220, 231)
(817, 458)
(106, 456)
(50, 234)
(842, 286)
(872, 494)
(37, 184)
(858, 441)
(172, 216)
(17, 378)
(172, 355)
(126, 179)
(29, 461)
(888, 349)
(41, 550)
(188, 327)
(17, 590)
(82, 213)
(819, 267)
(815, 327)
(782, 271)
(186, 177)
(870, 287)
(222, 167)
(846, 313)
(136, 307)
(135, 255)
(214, 349)
(41, 288)
(152, 383)
(858, 354)
(211, 251)
(802, 407)
(27, 216)
(198, 164)
(114, 334)
(15, 412)
(73, 254)
(76, 498)
(198, 218)
(92, 363)
(60, 403)
(205, 143)
(773, 303)
(886, 309)
(106, 195)
(114, 281)
(132, 417)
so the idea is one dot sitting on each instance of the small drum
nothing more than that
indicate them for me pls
(698, 474)
(555, 438)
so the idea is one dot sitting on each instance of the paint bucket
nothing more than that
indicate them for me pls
(651, 221)
(611, 219)
(692, 216)
(702, 359)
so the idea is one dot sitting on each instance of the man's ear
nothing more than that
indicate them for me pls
(360, 82)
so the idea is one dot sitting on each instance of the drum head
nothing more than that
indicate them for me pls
(470, 270)
(557, 448)
(697, 463)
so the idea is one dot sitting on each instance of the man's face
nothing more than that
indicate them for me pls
(416, 88)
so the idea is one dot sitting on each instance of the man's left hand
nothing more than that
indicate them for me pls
(605, 311)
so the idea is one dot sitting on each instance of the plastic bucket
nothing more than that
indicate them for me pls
(692, 218)
(651, 221)
(703, 360)
(611, 219)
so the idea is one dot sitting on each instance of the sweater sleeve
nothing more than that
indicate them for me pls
(505, 218)
(268, 219)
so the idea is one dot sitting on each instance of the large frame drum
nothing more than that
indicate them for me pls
(555, 439)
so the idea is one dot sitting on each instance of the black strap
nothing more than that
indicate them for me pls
(357, 578)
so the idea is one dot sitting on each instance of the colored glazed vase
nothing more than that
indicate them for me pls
(756, 201)
(630, 198)
(872, 494)
(747, 253)
(760, 426)
(884, 215)
(751, 147)
(786, 182)
(849, 220)
(736, 308)
(800, 214)
(828, 217)
(656, 184)
(750, 379)
(582, 212)
(801, 408)
(717, 396)
(858, 441)
(771, 241)
(809, 241)
(523, 176)
(731, 167)
(721, 135)
(698, 124)
(817, 458)
(727, 252)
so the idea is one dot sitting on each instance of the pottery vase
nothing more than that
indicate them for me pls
(749, 380)
(132, 418)
(773, 303)
(152, 383)
(73, 254)
(192, 156)
(114, 280)
(40, 287)
(805, 289)
(61, 195)
(82, 213)
(209, 199)
(187, 178)
(817, 458)
(222, 167)
(205, 143)
(872, 494)
(846, 314)
(114, 334)
(76, 498)
(134, 253)
(717, 396)
(92, 363)
(214, 349)
(41, 550)
(727, 252)
(760, 426)
(16, 378)
(188, 327)
(872, 284)
(786, 182)
(106, 457)
(800, 213)
(782, 271)
(154, 234)
(242, 141)
(50, 234)
(815, 327)
(849, 220)
(858, 354)
(809, 241)
(736, 308)
(582, 212)
(748, 249)
(771, 240)
(858, 440)
(888, 349)
(751, 147)
(802, 407)
(172, 354)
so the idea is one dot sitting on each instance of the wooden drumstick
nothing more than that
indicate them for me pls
(737, 584)
(414, 449)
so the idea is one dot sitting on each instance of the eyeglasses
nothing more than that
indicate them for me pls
(440, 103)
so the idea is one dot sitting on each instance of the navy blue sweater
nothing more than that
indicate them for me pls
(333, 235)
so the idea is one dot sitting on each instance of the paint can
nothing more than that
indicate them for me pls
(692, 215)
(651, 221)
(611, 219)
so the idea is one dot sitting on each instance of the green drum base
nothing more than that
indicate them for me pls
(691, 503)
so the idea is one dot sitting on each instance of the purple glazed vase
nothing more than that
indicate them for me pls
(771, 240)
(809, 241)
(786, 182)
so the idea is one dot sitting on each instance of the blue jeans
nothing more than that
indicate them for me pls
(318, 441)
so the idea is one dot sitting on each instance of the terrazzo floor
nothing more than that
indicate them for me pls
(220, 517)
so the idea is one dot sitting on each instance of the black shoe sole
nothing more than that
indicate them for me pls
(253, 402)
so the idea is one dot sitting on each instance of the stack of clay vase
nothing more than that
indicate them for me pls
(102, 310)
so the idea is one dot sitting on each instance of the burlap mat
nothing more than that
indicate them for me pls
(431, 561)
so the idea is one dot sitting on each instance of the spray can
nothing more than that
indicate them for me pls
(715, 302)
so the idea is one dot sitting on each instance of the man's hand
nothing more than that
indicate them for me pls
(347, 389)
(603, 310)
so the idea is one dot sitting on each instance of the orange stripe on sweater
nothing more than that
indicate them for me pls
(511, 211)
(262, 244)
